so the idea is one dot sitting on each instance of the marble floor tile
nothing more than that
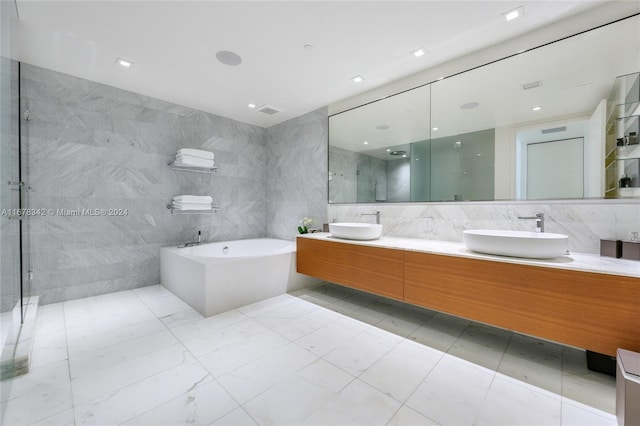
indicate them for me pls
(402, 322)
(305, 324)
(131, 401)
(324, 355)
(35, 396)
(250, 380)
(237, 417)
(577, 414)
(226, 359)
(440, 332)
(452, 392)
(326, 375)
(358, 354)
(181, 318)
(594, 389)
(406, 416)
(289, 402)
(357, 404)
(220, 338)
(95, 384)
(204, 404)
(284, 313)
(101, 340)
(510, 402)
(399, 372)
(204, 326)
(481, 345)
(327, 338)
(119, 353)
(267, 305)
(533, 361)
(65, 418)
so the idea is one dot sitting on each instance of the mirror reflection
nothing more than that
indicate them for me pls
(531, 126)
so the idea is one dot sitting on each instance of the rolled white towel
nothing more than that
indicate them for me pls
(191, 206)
(197, 199)
(207, 155)
(193, 162)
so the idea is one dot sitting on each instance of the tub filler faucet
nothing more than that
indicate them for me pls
(539, 218)
(193, 243)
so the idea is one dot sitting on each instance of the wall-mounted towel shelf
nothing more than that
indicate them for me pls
(192, 168)
(208, 211)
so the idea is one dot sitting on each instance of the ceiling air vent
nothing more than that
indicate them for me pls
(532, 85)
(554, 130)
(269, 110)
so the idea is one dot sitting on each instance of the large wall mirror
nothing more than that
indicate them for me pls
(531, 126)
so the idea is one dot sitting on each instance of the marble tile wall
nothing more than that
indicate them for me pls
(97, 147)
(296, 173)
(586, 222)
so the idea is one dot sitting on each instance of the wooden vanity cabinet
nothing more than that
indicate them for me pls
(598, 312)
(371, 269)
(593, 311)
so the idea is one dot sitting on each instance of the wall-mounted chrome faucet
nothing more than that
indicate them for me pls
(376, 214)
(539, 218)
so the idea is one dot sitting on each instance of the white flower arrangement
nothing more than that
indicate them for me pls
(305, 223)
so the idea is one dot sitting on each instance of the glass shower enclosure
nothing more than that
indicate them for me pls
(15, 304)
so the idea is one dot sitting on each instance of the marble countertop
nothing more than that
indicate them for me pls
(585, 262)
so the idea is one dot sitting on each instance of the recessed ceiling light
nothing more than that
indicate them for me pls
(365, 143)
(536, 108)
(308, 47)
(124, 62)
(251, 105)
(435, 129)
(532, 85)
(513, 14)
(398, 153)
(419, 52)
(228, 58)
(357, 79)
(469, 105)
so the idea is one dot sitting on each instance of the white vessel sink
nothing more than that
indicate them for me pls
(536, 245)
(356, 231)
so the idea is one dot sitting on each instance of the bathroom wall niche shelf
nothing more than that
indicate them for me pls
(622, 170)
(213, 210)
(207, 170)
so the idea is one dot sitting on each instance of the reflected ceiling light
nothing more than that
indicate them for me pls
(228, 57)
(470, 105)
(357, 79)
(388, 149)
(513, 14)
(435, 129)
(124, 62)
(419, 52)
(532, 85)
(398, 153)
(536, 108)
(251, 105)
(365, 143)
(404, 156)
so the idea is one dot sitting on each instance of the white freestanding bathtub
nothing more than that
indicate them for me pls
(218, 277)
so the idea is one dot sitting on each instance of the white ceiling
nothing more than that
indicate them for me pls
(173, 45)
